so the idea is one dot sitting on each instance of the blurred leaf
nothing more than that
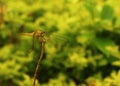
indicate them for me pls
(113, 79)
(116, 63)
(114, 50)
(107, 12)
(103, 62)
(90, 9)
(102, 44)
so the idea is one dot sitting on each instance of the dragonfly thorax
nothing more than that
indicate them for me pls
(39, 33)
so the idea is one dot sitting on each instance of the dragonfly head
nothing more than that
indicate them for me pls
(42, 33)
(39, 33)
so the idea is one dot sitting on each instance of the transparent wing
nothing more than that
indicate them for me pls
(58, 38)
(29, 37)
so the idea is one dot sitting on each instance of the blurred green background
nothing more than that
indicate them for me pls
(83, 47)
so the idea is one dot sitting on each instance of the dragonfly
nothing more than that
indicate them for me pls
(40, 36)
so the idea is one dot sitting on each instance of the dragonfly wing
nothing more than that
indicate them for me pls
(59, 38)
(33, 42)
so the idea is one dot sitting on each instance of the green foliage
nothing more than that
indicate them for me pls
(82, 47)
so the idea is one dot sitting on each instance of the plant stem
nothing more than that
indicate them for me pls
(38, 64)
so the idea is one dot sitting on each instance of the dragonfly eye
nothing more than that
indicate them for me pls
(42, 34)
